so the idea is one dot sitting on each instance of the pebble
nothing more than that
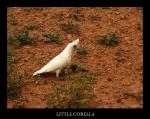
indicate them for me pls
(126, 38)
(43, 98)
(117, 13)
(34, 94)
(21, 64)
(26, 59)
(38, 49)
(119, 100)
(139, 44)
(129, 63)
(109, 79)
(42, 56)
(27, 47)
(106, 80)
(123, 17)
(128, 84)
(105, 52)
(36, 82)
(69, 36)
(34, 53)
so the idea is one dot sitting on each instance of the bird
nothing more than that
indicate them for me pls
(60, 61)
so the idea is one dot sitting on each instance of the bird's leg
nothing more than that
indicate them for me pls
(57, 73)
(67, 70)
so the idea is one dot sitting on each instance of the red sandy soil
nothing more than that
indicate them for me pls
(116, 75)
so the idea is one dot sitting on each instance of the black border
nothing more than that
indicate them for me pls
(50, 113)
(75, 3)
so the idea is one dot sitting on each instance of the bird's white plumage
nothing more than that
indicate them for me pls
(60, 61)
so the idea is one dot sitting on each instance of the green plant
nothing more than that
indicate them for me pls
(13, 87)
(12, 19)
(31, 26)
(94, 17)
(59, 16)
(108, 40)
(77, 14)
(14, 82)
(21, 37)
(129, 94)
(19, 106)
(71, 96)
(81, 51)
(77, 68)
(70, 27)
(10, 57)
(139, 98)
(52, 37)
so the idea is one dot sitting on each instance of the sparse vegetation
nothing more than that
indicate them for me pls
(22, 37)
(14, 82)
(31, 26)
(71, 96)
(58, 16)
(12, 19)
(94, 17)
(108, 40)
(77, 68)
(76, 87)
(52, 37)
(119, 52)
(19, 106)
(77, 14)
(70, 27)
(139, 97)
(10, 58)
(81, 51)
(13, 87)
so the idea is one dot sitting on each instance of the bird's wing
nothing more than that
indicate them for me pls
(56, 63)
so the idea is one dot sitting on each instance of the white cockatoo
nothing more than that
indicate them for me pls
(60, 61)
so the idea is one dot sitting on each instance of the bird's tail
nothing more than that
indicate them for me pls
(35, 73)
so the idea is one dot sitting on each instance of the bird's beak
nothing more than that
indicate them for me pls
(76, 42)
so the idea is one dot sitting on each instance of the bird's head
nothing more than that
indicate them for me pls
(75, 43)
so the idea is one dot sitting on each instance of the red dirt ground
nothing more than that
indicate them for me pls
(116, 75)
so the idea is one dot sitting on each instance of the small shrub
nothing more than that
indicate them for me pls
(108, 40)
(139, 98)
(129, 94)
(31, 26)
(77, 14)
(94, 17)
(13, 88)
(21, 37)
(12, 19)
(77, 68)
(70, 27)
(58, 16)
(81, 51)
(53, 38)
(10, 58)
(19, 106)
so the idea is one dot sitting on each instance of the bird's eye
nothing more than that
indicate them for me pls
(74, 46)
